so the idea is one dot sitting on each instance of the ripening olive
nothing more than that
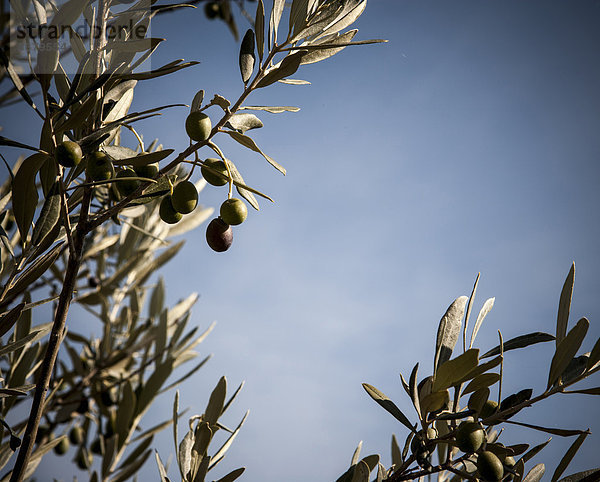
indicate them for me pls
(489, 408)
(62, 447)
(219, 235)
(167, 212)
(233, 211)
(489, 466)
(212, 178)
(149, 170)
(470, 437)
(185, 197)
(76, 435)
(99, 166)
(84, 460)
(198, 126)
(125, 188)
(68, 154)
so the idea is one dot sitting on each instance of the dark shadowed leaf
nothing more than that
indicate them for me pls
(566, 350)
(515, 399)
(250, 144)
(535, 450)
(564, 305)
(449, 331)
(585, 391)
(216, 402)
(553, 431)
(575, 368)
(231, 476)
(8, 319)
(288, 66)
(161, 468)
(594, 355)
(520, 342)
(49, 215)
(591, 475)
(566, 460)
(361, 472)
(481, 381)
(259, 27)
(390, 406)
(24, 192)
(396, 453)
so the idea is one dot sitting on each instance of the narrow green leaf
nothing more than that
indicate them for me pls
(564, 305)
(197, 101)
(69, 12)
(144, 159)
(594, 355)
(8, 319)
(451, 371)
(388, 405)
(534, 451)
(585, 476)
(276, 12)
(413, 389)
(561, 432)
(535, 474)
(30, 338)
(231, 476)
(14, 77)
(566, 460)
(49, 215)
(243, 191)
(482, 368)
(515, 399)
(317, 55)
(449, 331)
(250, 144)
(288, 66)
(214, 409)
(481, 381)
(259, 27)
(24, 192)
(396, 453)
(521, 341)
(356, 454)
(566, 350)
(361, 472)
(585, 391)
(161, 468)
(219, 454)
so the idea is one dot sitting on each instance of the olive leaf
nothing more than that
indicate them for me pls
(570, 453)
(521, 341)
(274, 19)
(452, 371)
(585, 476)
(197, 101)
(250, 144)
(8, 319)
(243, 122)
(566, 350)
(49, 215)
(259, 27)
(288, 66)
(247, 57)
(564, 306)
(449, 331)
(144, 159)
(271, 109)
(535, 474)
(318, 55)
(388, 405)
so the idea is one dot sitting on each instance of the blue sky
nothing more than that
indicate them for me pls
(468, 143)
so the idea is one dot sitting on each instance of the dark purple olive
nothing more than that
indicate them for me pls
(219, 235)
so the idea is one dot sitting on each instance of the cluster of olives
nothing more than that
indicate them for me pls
(422, 446)
(471, 438)
(233, 211)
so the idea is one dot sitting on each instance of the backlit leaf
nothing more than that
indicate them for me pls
(566, 460)
(387, 404)
(454, 370)
(216, 402)
(243, 122)
(482, 381)
(49, 215)
(520, 342)
(485, 309)
(250, 144)
(564, 305)
(314, 56)
(535, 474)
(566, 350)
(271, 109)
(288, 66)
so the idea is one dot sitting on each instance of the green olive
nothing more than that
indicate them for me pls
(125, 188)
(470, 436)
(84, 460)
(167, 212)
(211, 177)
(99, 166)
(185, 197)
(233, 211)
(149, 170)
(76, 435)
(219, 235)
(68, 154)
(489, 408)
(489, 466)
(62, 447)
(198, 126)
